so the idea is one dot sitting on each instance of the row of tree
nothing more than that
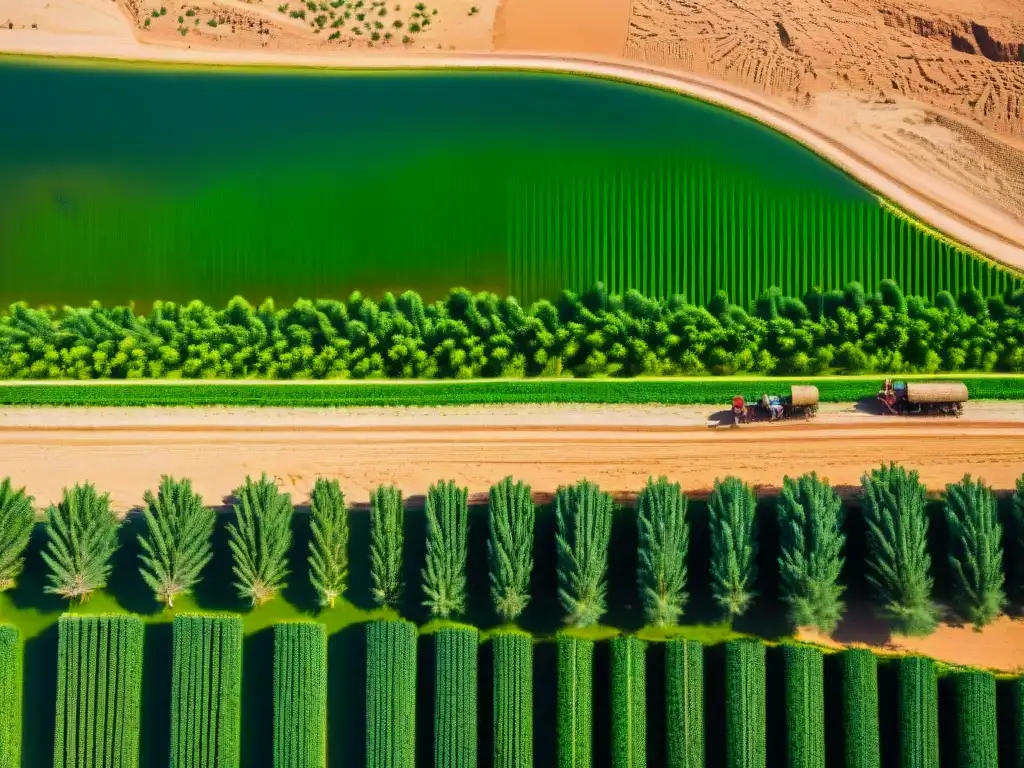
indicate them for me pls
(176, 546)
(481, 335)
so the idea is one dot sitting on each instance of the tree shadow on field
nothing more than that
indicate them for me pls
(426, 669)
(155, 738)
(485, 704)
(126, 584)
(257, 736)
(545, 703)
(346, 692)
(39, 698)
(216, 590)
(299, 589)
(30, 590)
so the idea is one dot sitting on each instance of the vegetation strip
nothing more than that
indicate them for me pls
(575, 702)
(391, 694)
(10, 694)
(99, 692)
(629, 702)
(492, 392)
(300, 695)
(513, 700)
(206, 692)
(479, 336)
(455, 716)
(684, 703)
(976, 720)
(805, 706)
(919, 713)
(745, 713)
(861, 738)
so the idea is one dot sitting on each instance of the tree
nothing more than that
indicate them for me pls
(510, 547)
(82, 531)
(584, 517)
(177, 543)
(664, 539)
(976, 550)
(328, 545)
(259, 538)
(899, 567)
(811, 541)
(17, 517)
(444, 577)
(387, 536)
(732, 511)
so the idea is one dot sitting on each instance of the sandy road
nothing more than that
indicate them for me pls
(125, 451)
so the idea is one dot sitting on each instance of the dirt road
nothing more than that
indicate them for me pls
(125, 451)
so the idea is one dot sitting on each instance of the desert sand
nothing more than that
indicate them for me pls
(930, 94)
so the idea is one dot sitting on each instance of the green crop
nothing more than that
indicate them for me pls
(859, 670)
(99, 692)
(977, 742)
(390, 694)
(575, 701)
(455, 698)
(300, 695)
(975, 550)
(206, 691)
(745, 713)
(684, 703)
(11, 681)
(495, 392)
(513, 700)
(919, 713)
(629, 703)
(663, 536)
(805, 706)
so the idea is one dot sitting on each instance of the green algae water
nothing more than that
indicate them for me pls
(122, 183)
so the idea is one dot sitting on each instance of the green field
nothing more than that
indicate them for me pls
(314, 198)
(717, 391)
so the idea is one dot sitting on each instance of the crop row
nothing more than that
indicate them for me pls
(100, 689)
(99, 692)
(11, 672)
(300, 695)
(483, 336)
(205, 692)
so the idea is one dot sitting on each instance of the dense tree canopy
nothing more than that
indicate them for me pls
(482, 335)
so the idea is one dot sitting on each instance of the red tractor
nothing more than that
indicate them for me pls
(740, 411)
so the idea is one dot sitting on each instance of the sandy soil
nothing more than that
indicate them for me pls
(931, 91)
(125, 451)
(999, 646)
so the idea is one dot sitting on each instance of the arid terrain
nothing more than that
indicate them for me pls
(935, 89)
(125, 451)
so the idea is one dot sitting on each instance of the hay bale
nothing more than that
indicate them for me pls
(804, 395)
(937, 392)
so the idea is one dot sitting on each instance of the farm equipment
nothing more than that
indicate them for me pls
(903, 398)
(740, 411)
(802, 401)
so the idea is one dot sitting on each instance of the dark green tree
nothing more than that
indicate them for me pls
(82, 531)
(898, 563)
(664, 541)
(444, 577)
(259, 538)
(17, 517)
(811, 543)
(328, 545)
(177, 543)
(732, 513)
(387, 539)
(583, 514)
(510, 547)
(976, 550)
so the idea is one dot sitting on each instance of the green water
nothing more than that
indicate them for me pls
(132, 184)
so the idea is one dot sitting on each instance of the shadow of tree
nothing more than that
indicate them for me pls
(39, 697)
(346, 703)
(257, 745)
